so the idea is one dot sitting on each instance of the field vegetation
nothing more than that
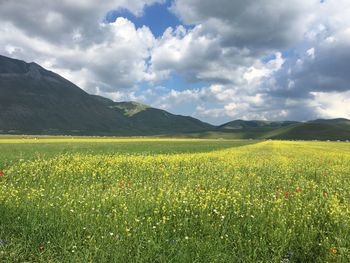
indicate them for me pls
(171, 200)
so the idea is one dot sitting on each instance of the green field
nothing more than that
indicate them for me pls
(172, 200)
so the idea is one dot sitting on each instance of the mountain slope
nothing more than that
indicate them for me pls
(148, 120)
(254, 129)
(241, 124)
(37, 100)
(335, 129)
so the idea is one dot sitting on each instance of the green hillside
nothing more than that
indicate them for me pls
(263, 125)
(255, 129)
(37, 101)
(334, 129)
(151, 121)
(129, 108)
(314, 130)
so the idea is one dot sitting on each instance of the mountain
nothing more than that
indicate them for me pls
(241, 124)
(331, 121)
(321, 129)
(255, 129)
(34, 100)
(334, 129)
(150, 120)
(37, 101)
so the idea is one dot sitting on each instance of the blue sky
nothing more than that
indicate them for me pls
(157, 17)
(214, 60)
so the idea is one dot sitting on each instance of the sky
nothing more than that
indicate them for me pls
(214, 60)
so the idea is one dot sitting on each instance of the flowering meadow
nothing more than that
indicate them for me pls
(159, 200)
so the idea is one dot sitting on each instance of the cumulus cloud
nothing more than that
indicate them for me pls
(332, 104)
(322, 60)
(65, 21)
(315, 34)
(256, 59)
(116, 63)
(70, 38)
(198, 57)
(254, 24)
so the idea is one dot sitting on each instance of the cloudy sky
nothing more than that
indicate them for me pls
(215, 60)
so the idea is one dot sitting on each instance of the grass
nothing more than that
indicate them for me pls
(161, 200)
(15, 148)
(130, 108)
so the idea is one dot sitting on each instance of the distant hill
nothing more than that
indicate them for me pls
(148, 120)
(263, 125)
(335, 129)
(34, 100)
(242, 129)
(37, 101)
(331, 121)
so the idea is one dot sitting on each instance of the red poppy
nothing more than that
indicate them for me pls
(2, 173)
(286, 194)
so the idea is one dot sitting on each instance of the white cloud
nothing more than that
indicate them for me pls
(69, 37)
(311, 53)
(255, 24)
(60, 21)
(116, 63)
(201, 57)
(261, 70)
(258, 59)
(332, 104)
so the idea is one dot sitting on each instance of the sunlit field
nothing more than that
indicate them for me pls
(161, 200)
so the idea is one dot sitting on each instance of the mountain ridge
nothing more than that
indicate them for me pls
(37, 101)
(34, 100)
(142, 116)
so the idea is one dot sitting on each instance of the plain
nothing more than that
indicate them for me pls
(174, 200)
